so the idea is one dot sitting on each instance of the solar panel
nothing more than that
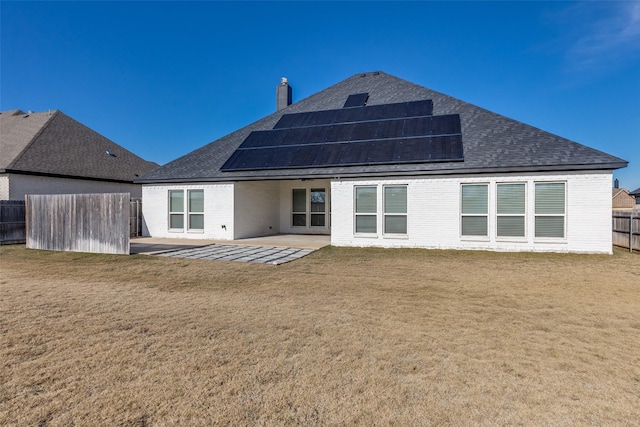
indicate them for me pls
(295, 136)
(318, 134)
(289, 121)
(417, 126)
(389, 129)
(328, 154)
(446, 125)
(364, 130)
(356, 100)
(349, 115)
(255, 138)
(323, 117)
(273, 139)
(374, 112)
(419, 108)
(340, 132)
(380, 151)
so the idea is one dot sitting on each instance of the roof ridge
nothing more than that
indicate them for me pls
(52, 114)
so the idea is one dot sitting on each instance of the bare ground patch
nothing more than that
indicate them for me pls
(342, 336)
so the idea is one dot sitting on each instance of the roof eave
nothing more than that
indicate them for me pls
(360, 174)
(54, 175)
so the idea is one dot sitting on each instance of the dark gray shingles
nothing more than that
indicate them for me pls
(55, 144)
(17, 130)
(491, 142)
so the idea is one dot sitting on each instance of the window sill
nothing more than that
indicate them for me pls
(396, 236)
(512, 239)
(365, 235)
(475, 238)
(550, 240)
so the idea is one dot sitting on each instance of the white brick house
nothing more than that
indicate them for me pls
(378, 161)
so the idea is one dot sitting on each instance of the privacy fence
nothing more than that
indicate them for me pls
(12, 222)
(79, 222)
(626, 229)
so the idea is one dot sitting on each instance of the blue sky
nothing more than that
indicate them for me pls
(164, 78)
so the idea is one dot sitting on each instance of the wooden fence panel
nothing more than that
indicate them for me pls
(96, 223)
(626, 229)
(12, 222)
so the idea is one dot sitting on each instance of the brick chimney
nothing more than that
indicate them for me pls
(283, 94)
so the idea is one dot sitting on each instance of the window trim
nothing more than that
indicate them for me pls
(385, 233)
(543, 239)
(190, 212)
(485, 237)
(522, 238)
(356, 214)
(294, 212)
(170, 212)
(312, 212)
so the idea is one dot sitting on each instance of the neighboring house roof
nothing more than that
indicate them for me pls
(491, 142)
(54, 144)
(621, 199)
(616, 191)
(635, 192)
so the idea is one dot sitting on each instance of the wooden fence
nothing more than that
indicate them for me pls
(12, 222)
(626, 229)
(96, 223)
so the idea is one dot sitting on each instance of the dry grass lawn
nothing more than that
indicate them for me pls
(341, 337)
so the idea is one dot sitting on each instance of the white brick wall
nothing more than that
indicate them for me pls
(256, 208)
(4, 187)
(249, 209)
(434, 214)
(17, 185)
(218, 211)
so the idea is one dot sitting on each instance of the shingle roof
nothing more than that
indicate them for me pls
(57, 145)
(492, 143)
(635, 192)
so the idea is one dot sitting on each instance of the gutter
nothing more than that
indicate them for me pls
(346, 174)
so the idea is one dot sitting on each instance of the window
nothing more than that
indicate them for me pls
(475, 208)
(318, 205)
(176, 209)
(395, 209)
(196, 209)
(366, 208)
(550, 209)
(299, 207)
(510, 212)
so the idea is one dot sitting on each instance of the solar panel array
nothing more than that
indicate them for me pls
(405, 132)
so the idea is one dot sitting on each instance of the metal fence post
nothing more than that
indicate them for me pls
(631, 232)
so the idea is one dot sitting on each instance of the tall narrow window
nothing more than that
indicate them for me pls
(196, 209)
(366, 208)
(510, 210)
(299, 207)
(550, 209)
(475, 209)
(395, 209)
(176, 209)
(318, 207)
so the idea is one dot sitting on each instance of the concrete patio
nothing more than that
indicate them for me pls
(276, 249)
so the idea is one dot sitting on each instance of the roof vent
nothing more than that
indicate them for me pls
(109, 153)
